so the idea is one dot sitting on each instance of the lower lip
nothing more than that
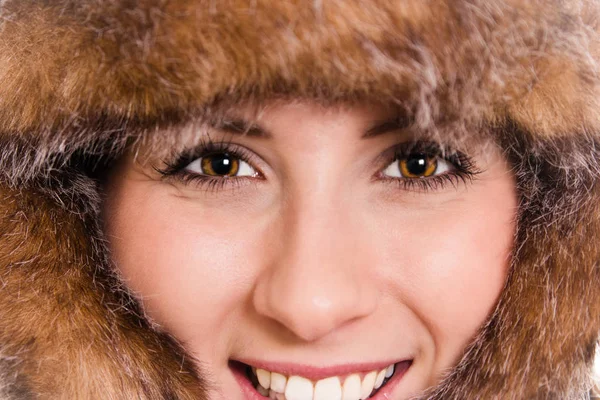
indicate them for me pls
(239, 372)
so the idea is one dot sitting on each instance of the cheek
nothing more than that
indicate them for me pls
(462, 276)
(186, 261)
(453, 267)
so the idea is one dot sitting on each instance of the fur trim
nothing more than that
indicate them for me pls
(80, 79)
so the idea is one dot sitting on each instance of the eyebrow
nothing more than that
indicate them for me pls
(390, 125)
(238, 126)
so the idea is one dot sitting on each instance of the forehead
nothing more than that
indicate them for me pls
(283, 119)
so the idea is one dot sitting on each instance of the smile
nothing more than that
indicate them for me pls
(261, 383)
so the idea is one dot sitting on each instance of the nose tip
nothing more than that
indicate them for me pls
(312, 306)
(316, 273)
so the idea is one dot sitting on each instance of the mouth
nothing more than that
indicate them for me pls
(373, 383)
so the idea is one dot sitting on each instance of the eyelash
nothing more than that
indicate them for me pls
(464, 170)
(176, 167)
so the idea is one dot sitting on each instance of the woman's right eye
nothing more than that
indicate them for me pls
(212, 166)
(220, 164)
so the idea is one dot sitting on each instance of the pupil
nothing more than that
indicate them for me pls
(221, 164)
(417, 164)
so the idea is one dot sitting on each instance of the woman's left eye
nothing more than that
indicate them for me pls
(417, 166)
(220, 165)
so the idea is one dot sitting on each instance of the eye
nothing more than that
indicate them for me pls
(220, 164)
(417, 166)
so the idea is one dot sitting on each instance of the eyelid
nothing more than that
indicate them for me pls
(404, 149)
(390, 154)
(198, 164)
(440, 162)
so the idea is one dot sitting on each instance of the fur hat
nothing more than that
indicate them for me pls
(80, 79)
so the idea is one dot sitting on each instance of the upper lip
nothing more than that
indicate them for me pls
(316, 373)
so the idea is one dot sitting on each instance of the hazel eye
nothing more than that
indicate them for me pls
(220, 165)
(417, 166)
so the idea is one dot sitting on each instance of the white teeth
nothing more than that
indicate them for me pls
(298, 388)
(276, 386)
(278, 382)
(264, 378)
(389, 371)
(352, 387)
(379, 379)
(328, 389)
(367, 385)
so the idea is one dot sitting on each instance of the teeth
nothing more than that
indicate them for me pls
(299, 388)
(379, 379)
(276, 396)
(264, 378)
(276, 386)
(262, 390)
(389, 371)
(367, 385)
(328, 389)
(352, 387)
(278, 382)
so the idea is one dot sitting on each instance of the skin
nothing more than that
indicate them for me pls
(315, 262)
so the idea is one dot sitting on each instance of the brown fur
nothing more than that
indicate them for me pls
(80, 78)
(65, 332)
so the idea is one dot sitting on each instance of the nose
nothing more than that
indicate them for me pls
(319, 279)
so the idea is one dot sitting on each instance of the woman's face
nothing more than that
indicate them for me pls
(322, 246)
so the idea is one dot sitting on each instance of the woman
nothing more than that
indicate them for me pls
(334, 200)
